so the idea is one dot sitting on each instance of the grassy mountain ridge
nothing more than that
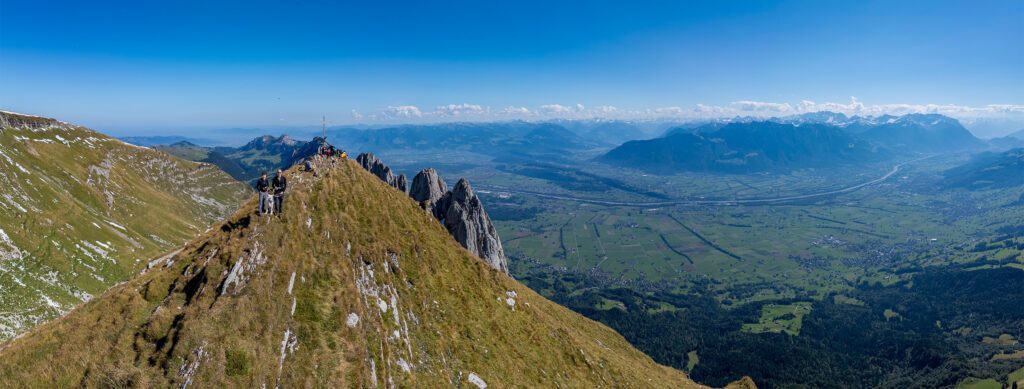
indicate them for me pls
(79, 211)
(354, 286)
(262, 154)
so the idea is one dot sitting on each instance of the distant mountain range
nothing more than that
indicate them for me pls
(263, 154)
(506, 141)
(745, 147)
(1019, 134)
(815, 139)
(989, 171)
(150, 141)
(500, 139)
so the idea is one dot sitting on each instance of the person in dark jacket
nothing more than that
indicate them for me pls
(262, 185)
(280, 184)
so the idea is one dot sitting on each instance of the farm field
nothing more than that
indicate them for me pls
(808, 249)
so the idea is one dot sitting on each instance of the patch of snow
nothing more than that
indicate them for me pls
(120, 227)
(382, 304)
(293, 306)
(291, 283)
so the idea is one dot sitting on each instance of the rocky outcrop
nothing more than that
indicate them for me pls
(305, 150)
(373, 165)
(30, 122)
(459, 210)
(427, 189)
(402, 183)
(464, 217)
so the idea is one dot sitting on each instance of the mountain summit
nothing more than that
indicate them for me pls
(353, 286)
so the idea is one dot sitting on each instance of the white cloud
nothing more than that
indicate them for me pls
(759, 106)
(856, 107)
(516, 112)
(554, 108)
(458, 109)
(745, 108)
(399, 112)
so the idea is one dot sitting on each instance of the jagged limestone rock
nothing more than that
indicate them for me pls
(402, 183)
(373, 165)
(427, 189)
(466, 220)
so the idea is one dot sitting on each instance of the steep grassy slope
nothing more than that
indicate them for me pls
(80, 211)
(354, 286)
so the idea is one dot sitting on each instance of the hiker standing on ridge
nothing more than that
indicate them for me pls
(262, 186)
(280, 184)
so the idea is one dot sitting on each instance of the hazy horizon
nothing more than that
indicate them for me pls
(192, 66)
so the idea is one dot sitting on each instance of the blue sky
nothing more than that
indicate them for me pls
(186, 65)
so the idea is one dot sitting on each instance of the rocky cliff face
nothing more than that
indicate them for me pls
(459, 210)
(466, 220)
(462, 214)
(427, 189)
(370, 162)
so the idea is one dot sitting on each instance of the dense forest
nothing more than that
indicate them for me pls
(925, 332)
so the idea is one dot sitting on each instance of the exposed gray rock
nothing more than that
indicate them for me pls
(466, 220)
(370, 162)
(427, 189)
(402, 183)
(459, 210)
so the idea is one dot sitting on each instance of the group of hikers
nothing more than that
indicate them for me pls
(330, 151)
(272, 204)
(278, 186)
